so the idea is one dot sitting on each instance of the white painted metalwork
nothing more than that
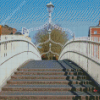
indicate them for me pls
(14, 51)
(85, 52)
(50, 51)
(50, 7)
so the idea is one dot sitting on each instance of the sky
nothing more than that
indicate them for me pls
(76, 15)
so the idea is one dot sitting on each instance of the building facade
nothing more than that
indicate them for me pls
(14, 30)
(94, 31)
(94, 34)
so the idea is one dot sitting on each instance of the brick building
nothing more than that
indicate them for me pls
(14, 30)
(6, 30)
(94, 33)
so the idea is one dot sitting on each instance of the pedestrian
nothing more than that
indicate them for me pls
(54, 57)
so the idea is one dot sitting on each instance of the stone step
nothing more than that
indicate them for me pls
(71, 64)
(49, 77)
(48, 73)
(49, 95)
(43, 64)
(48, 81)
(49, 87)
(38, 77)
(52, 69)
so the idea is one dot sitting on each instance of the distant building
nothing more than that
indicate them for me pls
(94, 31)
(14, 30)
(18, 33)
(6, 30)
(28, 38)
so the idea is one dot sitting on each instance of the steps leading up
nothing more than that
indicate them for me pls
(49, 80)
(49, 77)
(49, 87)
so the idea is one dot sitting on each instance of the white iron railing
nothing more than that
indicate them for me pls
(15, 51)
(85, 52)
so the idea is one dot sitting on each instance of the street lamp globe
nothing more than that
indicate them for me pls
(50, 7)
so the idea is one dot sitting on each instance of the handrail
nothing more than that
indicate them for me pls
(84, 55)
(2, 42)
(86, 39)
(16, 55)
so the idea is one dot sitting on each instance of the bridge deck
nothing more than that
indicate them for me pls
(45, 80)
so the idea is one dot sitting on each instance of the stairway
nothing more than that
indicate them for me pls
(50, 80)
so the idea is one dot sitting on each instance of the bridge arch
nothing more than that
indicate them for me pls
(85, 53)
(14, 52)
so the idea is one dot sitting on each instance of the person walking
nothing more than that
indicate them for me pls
(54, 57)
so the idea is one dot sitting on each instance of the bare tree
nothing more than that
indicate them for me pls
(57, 36)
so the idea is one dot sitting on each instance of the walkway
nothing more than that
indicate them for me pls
(50, 80)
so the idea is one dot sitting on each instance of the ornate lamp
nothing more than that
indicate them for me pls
(50, 7)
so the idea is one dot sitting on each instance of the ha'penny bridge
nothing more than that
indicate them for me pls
(25, 76)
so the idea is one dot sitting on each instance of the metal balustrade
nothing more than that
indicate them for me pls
(12, 45)
(86, 53)
(15, 51)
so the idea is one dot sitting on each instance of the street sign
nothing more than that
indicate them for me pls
(25, 31)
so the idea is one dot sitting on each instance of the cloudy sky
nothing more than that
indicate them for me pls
(76, 15)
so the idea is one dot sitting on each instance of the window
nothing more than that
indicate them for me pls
(6, 46)
(95, 32)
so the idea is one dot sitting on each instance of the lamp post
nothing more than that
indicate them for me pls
(50, 7)
(49, 49)
(49, 31)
